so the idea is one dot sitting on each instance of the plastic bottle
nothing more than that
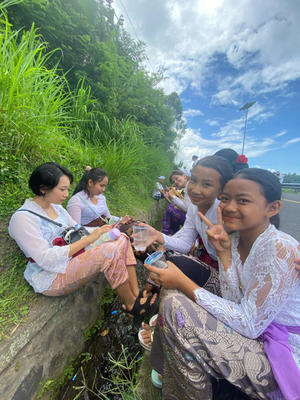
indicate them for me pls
(113, 234)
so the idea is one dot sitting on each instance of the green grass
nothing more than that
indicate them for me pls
(16, 296)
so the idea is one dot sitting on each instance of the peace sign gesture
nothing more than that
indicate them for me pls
(217, 234)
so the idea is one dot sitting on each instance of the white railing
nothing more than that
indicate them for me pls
(295, 186)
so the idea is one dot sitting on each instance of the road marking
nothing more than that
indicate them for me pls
(292, 201)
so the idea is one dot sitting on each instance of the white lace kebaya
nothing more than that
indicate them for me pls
(193, 226)
(34, 236)
(264, 289)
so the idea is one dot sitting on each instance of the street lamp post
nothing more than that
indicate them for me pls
(246, 108)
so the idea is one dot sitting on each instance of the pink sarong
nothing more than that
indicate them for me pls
(111, 258)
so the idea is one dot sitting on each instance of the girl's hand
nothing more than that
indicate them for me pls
(170, 277)
(216, 233)
(219, 238)
(153, 235)
(125, 219)
(98, 232)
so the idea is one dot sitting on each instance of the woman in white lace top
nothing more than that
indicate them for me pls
(55, 269)
(250, 336)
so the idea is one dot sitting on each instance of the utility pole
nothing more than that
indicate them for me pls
(246, 108)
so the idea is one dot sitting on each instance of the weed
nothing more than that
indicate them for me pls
(15, 295)
(123, 372)
(106, 299)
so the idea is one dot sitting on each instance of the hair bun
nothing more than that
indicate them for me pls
(88, 168)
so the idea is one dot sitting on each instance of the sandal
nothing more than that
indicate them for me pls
(140, 311)
(152, 323)
(156, 381)
(154, 289)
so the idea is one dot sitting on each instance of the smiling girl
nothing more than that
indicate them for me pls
(207, 180)
(250, 336)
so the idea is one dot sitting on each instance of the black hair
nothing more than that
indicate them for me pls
(269, 184)
(231, 156)
(46, 177)
(176, 172)
(194, 156)
(95, 174)
(220, 164)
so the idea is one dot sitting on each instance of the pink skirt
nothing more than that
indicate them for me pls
(111, 258)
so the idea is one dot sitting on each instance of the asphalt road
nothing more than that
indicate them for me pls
(290, 214)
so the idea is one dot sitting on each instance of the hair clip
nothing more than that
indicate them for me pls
(241, 159)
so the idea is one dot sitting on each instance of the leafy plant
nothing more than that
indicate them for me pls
(123, 372)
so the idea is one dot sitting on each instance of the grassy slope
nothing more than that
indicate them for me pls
(39, 123)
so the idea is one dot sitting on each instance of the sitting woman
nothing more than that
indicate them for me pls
(87, 206)
(174, 216)
(55, 270)
(250, 336)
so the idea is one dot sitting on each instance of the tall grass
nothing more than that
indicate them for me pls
(42, 120)
(32, 98)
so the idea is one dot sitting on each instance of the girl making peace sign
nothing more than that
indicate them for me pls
(250, 336)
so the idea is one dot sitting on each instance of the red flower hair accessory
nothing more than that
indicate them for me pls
(241, 159)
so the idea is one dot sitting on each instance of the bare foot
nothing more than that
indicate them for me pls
(147, 331)
(147, 334)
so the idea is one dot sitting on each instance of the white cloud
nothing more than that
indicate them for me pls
(185, 37)
(211, 122)
(192, 113)
(281, 133)
(226, 52)
(193, 142)
(225, 98)
(296, 140)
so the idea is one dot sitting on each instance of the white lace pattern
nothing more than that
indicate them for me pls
(264, 289)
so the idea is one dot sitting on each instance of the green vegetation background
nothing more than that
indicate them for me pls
(73, 90)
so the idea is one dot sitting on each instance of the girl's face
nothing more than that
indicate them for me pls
(98, 187)
(204, 187)
(179, 181)
(244, 207)
(60, 192)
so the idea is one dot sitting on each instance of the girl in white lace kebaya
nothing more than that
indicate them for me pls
(250, 336)
(55, 270)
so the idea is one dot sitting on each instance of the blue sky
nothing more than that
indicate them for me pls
(226, 53)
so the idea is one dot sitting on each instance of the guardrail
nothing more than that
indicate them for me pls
(295, 186)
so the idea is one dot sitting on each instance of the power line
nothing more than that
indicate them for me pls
(134, 30)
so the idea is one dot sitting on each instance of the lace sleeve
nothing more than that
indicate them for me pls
(268, 282)
(179, 203)
(25, 230)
